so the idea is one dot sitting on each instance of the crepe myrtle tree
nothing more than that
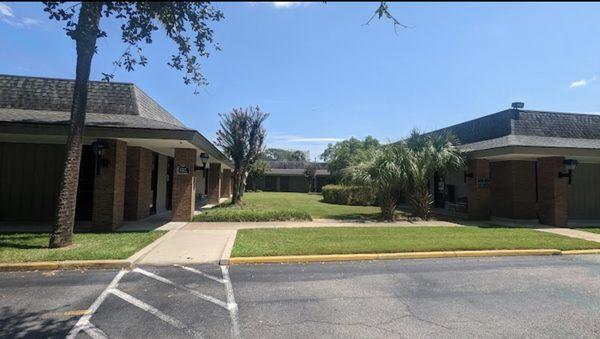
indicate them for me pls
(184, 23)
(242, 138)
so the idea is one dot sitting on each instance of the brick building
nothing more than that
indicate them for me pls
(526, 165)
(291, 176)
(137, 160)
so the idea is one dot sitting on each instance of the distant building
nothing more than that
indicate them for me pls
(290, 176)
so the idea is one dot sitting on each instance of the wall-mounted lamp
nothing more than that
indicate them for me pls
(570, 165)
(99, 147)
(204, 159)
(468, 175)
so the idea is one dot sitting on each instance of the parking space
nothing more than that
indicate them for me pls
(173, 301)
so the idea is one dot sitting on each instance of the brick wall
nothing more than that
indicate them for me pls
(138, 195)
(214, 183)
(109, 188)
(184, 196)
(552, 191)
(226, 183)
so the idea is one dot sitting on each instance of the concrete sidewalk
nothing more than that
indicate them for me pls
(315, 223)
(182, 246)
(567, 232)
(209, 242)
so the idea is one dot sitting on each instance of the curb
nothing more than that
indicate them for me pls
(225, 256)
(66, 265)
(404, 255)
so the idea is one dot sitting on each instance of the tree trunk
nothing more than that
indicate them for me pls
(388, 207)
(420, 199)
(85, 37)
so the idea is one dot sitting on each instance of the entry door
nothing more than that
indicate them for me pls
(154, 182)
(169, 189)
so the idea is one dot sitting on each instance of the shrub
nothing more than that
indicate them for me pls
(348, 195)
(240, 215)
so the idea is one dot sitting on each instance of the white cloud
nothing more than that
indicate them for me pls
(5, 10)
(582, 82)
(288, 4)
(8, 16)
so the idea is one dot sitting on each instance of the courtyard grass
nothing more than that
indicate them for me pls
(23, 247)
(353, 240)
(277, 206)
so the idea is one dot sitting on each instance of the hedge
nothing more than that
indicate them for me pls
(348, 195)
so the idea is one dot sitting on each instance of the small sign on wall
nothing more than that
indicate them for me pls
(183, 169)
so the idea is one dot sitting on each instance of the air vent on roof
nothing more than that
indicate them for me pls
(517, 105)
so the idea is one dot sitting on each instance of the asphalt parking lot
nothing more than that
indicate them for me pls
(555, 296)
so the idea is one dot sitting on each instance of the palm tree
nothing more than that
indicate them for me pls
(422, 156)
(383, 174)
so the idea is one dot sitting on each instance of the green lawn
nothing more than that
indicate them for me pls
(20, 247)
(296, 204)
(347, 240)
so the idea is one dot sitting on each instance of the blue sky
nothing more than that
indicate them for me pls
(324, 76)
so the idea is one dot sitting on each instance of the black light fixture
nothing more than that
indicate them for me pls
(99, 147)
(570, 165)
(204, 158)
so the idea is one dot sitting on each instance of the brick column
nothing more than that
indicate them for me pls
(226, 183)
(184, 195)
(478, 194)
(138, 182)
(552, 191)
(109, 188)
(214, 183)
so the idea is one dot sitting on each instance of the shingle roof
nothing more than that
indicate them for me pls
(112, 104)
(91, 119)
(529, 128)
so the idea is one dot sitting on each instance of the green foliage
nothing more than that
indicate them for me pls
(238, 214)
(382, 173)
(352, 240)
(348, 195)
(278, 154)
(348, 153)
(257, 171)
(422, 156)
(185, 23)
(242, 137)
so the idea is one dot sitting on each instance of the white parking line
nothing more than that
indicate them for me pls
(151, 309)
(187, 289)
(84, 321)
(94, 332)
(232, 305)
(206, 275)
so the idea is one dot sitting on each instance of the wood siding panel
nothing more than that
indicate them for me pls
(584, 192)
(29, 177)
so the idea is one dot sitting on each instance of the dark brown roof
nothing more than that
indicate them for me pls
(118, 104)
